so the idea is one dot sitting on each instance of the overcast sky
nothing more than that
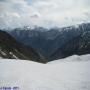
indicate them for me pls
(46, 13)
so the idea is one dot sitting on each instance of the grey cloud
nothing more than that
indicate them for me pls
(40, 12)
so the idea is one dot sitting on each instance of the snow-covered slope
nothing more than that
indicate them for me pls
(55, 75)
(72, 58)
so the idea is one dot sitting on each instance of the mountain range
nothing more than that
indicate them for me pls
(55, 43)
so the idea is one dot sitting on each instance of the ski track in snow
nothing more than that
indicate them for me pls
(69, 74)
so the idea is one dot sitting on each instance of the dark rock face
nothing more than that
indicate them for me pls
(11, 48)
(57, 42)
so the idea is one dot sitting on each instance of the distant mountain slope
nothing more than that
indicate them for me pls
(10, 48)
(51, 41)
(79, 45)
(38, 38)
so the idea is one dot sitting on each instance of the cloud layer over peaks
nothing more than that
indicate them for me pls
(46, 13)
